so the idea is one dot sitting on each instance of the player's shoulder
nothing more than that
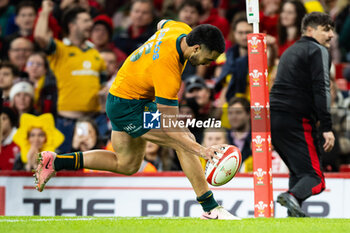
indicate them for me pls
(168, 23)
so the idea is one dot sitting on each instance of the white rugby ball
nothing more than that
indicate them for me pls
(224, 169)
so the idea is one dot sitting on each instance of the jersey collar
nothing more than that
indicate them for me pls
(178, 48)
(67, 42)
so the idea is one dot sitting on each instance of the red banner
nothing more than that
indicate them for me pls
(260, 119)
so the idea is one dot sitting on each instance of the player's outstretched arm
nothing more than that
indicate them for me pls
(182, 136)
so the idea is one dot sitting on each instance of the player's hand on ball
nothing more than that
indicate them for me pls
(209, 153)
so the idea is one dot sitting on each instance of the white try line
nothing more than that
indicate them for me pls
(87, 219)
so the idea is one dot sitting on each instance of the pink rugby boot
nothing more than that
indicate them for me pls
(45, 169)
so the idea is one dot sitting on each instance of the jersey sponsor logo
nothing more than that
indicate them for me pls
(151, 120)
(87, 65)
(86, 70)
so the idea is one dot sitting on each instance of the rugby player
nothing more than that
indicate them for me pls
(149, 80)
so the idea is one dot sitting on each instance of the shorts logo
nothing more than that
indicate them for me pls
(151, 120)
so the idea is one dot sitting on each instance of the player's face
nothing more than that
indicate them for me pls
(83, 25)
(202, 56)
(323, 34)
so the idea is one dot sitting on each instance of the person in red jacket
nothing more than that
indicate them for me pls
(211, 16)
(9, 149)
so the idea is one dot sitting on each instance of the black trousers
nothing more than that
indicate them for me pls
(295, 139)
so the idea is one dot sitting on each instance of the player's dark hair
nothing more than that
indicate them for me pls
(192, 3)
(315, 19)
(12, 67)
(25, 4)
(69, 16)
(243, 101)
(209, 36)
(300, 11)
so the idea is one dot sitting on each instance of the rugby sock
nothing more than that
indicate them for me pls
(71, 161)
(207, 201)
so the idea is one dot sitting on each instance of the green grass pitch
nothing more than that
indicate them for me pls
(168, 225)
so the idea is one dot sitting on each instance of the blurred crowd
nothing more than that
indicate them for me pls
(59, 58)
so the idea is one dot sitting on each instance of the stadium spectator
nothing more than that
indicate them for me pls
(343, 30)
(198, 96)
(269, 15)
(44, 82)
(235, 68)
(142, 19)
(78, 69)
(8, 74)
(101, 36)
(240, 133)
(298, 99)
(7, 15)
(90, 6)
(85, 135)
(110, 59)
(157, 157)
(170, 8)
(18, 53)
(189, 13)
(313, 5)
(211, 16)
(214, 136)
(35, 134)
(22, 98)
(289, 25)
(112, 68)
(9, 149)
(25, 18)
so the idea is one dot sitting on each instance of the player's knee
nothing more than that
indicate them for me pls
(130, 171)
